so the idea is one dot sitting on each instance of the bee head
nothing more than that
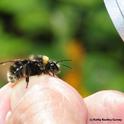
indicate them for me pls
(52, 67)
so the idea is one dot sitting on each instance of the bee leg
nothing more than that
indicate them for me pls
(27, 74)
(51, 74)
(27, 81)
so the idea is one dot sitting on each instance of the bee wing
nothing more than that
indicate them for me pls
(10, 61)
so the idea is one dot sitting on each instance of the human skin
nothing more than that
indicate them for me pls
(49, 100)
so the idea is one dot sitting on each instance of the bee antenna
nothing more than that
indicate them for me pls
(59, 61)
(63, 60)
(2, 63)
(66, 66)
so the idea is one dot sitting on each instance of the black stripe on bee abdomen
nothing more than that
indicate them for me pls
(17, 68)
(16, 71)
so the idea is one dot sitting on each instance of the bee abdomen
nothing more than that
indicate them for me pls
(15, 72)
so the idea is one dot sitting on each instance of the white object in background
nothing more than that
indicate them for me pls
(116, 11)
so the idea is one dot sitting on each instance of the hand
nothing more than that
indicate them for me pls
(49, 100)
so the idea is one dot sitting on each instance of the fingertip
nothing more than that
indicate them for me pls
(106, 96)
(108, 104)
(50, 91)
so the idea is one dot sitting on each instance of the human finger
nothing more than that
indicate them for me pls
(105, 107)
(46, 100)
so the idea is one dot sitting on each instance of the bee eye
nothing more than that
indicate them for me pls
(52, 65)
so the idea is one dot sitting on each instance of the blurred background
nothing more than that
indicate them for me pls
(80, 30)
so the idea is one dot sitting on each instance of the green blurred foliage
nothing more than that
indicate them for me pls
(46, 27)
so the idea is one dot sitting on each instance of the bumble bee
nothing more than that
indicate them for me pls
(34, 65)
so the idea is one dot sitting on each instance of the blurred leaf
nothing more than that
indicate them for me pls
(33, 20)
(18, 6)
(102, 72)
